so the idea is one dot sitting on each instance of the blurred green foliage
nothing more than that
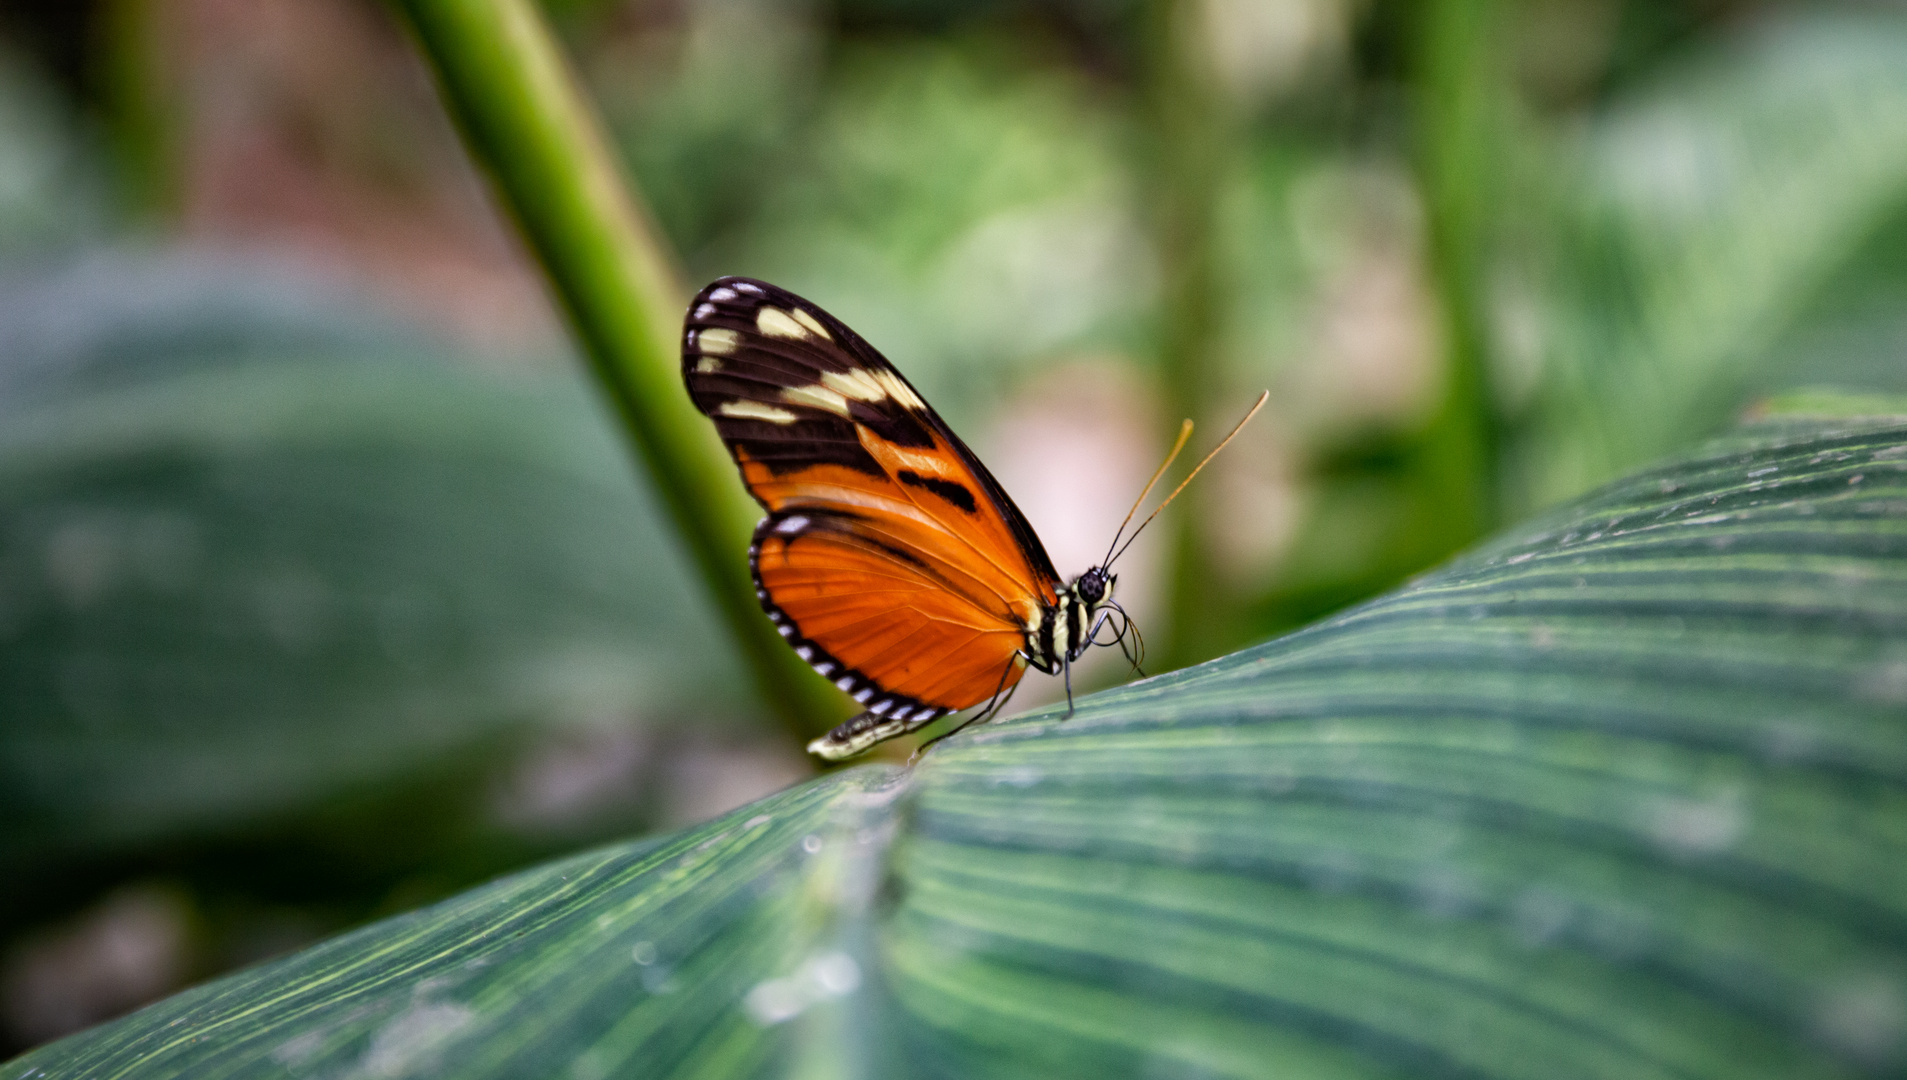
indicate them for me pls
(1643, 217)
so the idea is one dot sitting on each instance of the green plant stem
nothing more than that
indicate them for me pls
(1459, 89)
(141, 107)
(528, 124)
(1185, 141)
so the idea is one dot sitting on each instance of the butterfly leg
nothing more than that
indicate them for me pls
(991, 710)
(1068, 663)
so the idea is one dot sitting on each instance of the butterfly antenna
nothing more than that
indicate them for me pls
(1183, 432)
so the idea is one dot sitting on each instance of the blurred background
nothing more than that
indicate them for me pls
(327, 586)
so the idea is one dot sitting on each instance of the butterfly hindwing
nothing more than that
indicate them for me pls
(882, 625)
(891, 558)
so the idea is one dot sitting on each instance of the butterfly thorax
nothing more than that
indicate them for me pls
(1063, 629)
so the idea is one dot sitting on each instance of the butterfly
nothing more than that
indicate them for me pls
(891, 560)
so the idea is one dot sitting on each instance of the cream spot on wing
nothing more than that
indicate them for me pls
(708, 364)
(777, 323)
(705, 311)
(755, 410)
(724, 293)
(925, 462)
(752, 289)
(817, 397)
(856, 383)
(717, 341)
(813, 324)
(900, 391)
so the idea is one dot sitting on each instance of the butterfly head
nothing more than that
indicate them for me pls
(1095, 586)
(1064, 630)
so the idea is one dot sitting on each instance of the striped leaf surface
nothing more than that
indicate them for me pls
(1621, 795)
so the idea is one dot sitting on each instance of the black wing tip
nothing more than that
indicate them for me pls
(754, 288)
(719, 305)
(746, 293)
(734, 299)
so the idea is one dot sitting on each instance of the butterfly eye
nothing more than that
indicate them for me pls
(1092, 585)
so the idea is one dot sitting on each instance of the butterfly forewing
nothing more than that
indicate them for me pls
(890, 559)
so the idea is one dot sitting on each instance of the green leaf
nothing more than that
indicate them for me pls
(250, 563)
(1715, 208)
(1622, 794)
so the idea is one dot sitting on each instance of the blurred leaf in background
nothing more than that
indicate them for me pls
(221, 513)
(51, 186)
(1710, 218)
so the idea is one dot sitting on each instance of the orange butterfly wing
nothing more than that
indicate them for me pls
(891, 560)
